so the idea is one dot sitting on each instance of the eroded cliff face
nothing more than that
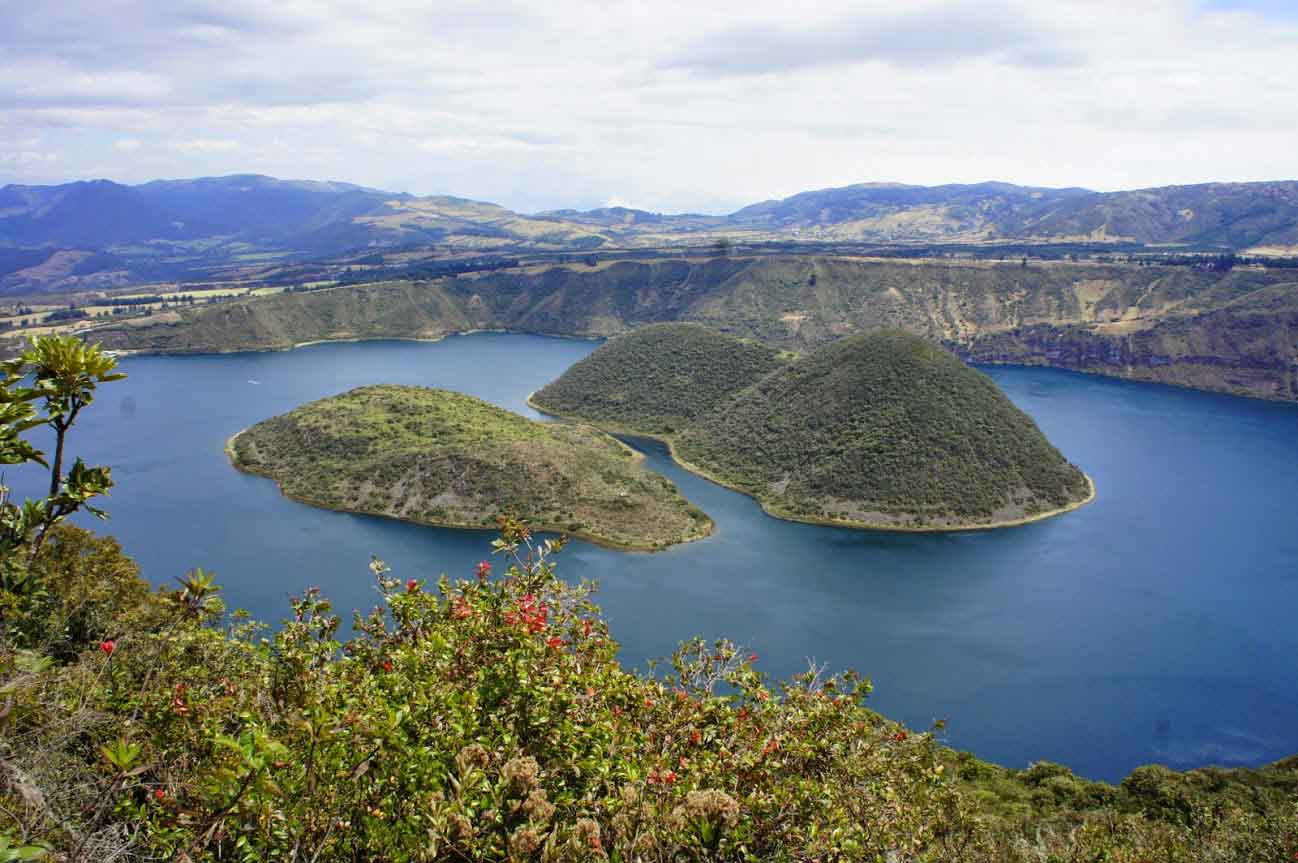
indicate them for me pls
(1232, 332)
(1249, 347)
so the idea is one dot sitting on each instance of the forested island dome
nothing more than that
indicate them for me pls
(658, 378)
(881, 429)
(444, 458)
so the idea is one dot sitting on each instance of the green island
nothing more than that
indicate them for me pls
(448, 459)
(879, 430)
(657, 379)
(483, 716)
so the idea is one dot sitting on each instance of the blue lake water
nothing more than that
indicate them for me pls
(1157, 624)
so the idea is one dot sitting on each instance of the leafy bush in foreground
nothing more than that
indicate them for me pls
(487, 718)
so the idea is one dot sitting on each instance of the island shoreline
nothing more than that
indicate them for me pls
(824, 522)
(599, 541)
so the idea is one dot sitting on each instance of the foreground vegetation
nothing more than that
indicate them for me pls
(444, 458)
(878, 430)
(485, 717)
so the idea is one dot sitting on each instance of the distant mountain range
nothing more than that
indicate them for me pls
(98, 233)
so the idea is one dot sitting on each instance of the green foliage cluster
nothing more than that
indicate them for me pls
(657, 379)
(61, 374)
(445, 458)
(881, 428)
(883, 423)
(487, 718)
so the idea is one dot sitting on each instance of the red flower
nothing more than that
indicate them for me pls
(661, 777)
(460, 608)
(108, 646)
(771, 746)
(530, 614)
(159, 795)
(484, 570)
(696, 737)
(900, 736)
(555, 642)
(179, 702)
(412, 586)
(387, 665)
(752, 657)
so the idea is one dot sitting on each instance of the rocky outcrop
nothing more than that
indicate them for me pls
(1248, 347)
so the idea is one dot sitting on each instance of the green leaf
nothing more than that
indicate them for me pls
(122, 754)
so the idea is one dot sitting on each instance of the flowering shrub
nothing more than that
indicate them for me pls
(490, 720)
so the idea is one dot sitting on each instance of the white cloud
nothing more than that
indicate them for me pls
(675, 105)
(28, 157)
(206, 145)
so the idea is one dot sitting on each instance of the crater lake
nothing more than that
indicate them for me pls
(1155, 625)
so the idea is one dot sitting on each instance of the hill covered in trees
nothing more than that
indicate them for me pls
(881, 429)
(444, 458)
(657, 379)
(884, 429)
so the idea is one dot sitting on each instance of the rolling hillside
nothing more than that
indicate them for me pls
(185, 229)
(1234, 216)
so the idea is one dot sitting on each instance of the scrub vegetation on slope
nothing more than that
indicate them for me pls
(884, 428)
(445, 458)
(657, 379)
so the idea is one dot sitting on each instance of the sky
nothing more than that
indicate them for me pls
(668, 106)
